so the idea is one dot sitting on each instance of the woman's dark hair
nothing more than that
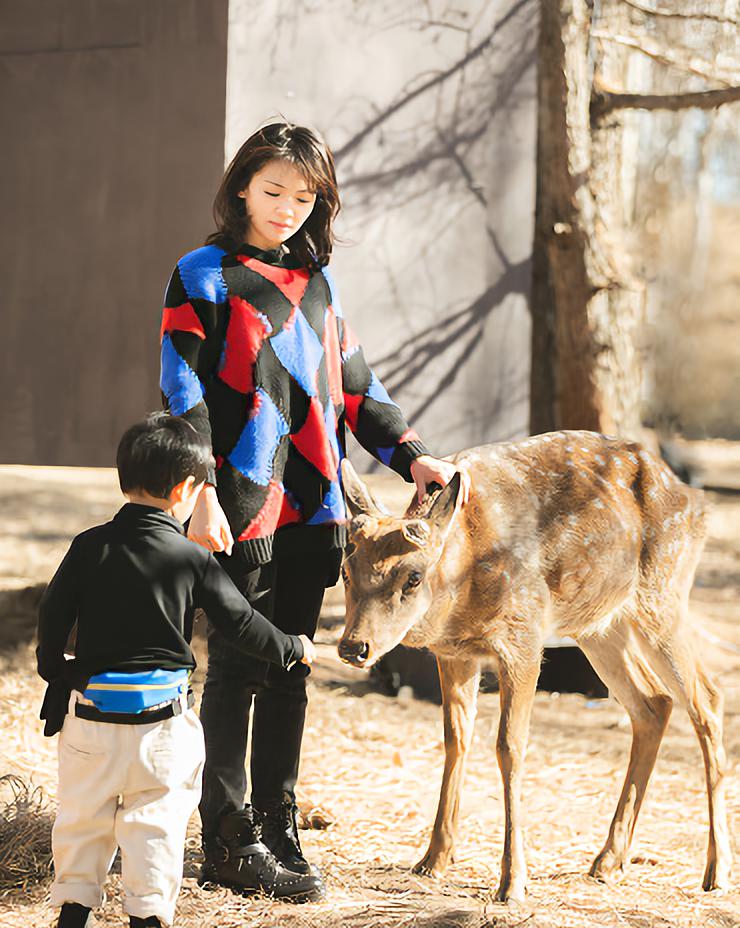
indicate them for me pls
(312, 243)
(160, 452)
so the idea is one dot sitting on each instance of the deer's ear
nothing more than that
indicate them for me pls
(360, 500)
(443, 509)
(416, 531)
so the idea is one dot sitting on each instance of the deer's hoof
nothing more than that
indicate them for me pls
(606, 866)
(429, 866)
(512, 894)
(716, 878)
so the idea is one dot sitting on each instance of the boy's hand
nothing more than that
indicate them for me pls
(209, 526)
(309, 650)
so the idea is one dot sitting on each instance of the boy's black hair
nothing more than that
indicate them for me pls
(160, 452)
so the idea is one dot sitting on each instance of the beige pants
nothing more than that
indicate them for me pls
(128, 786)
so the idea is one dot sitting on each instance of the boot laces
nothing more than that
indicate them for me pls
(289, 826)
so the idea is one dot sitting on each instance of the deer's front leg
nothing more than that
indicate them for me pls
(459, 682)
(517, 687)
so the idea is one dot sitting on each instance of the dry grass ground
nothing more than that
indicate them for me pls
(374, 763)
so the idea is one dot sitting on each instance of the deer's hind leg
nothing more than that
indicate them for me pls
(645, 700)
(675, 660)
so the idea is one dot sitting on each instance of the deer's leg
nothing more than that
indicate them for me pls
(459, 682)
(676, 662)
(517, 685)
(643, 697)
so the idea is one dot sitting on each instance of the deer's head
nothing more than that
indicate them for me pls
(387, 569)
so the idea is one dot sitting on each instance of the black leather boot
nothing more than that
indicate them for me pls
(278, 819)
(238, 859)
(74, 915)
(151, 922)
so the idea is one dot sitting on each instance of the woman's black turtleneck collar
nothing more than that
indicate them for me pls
(278, 257)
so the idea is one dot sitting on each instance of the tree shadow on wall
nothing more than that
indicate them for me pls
(433, 146)
(436, 136)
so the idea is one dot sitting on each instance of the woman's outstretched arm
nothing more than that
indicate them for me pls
(378, 423)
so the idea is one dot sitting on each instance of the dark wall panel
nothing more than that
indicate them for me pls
(112, 115)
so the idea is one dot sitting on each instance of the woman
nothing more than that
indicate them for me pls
(257, 355)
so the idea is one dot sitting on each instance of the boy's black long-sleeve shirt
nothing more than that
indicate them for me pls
(132, 586)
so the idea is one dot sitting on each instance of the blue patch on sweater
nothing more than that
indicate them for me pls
(385, 455)
(299, 351)
(179, 382)
(335, 303)
(254, 453)
(332, 508)
(377, 391)
(330, 419)
(201, 275)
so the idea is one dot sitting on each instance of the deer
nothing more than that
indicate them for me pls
(569, 533)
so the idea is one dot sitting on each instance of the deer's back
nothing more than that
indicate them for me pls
(601, 521)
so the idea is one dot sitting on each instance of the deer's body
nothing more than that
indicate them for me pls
(570, 533)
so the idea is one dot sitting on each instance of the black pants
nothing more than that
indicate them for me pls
(289, 591)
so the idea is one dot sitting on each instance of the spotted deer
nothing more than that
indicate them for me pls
(569, 533)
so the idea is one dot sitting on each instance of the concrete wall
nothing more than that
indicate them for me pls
(112, 115)
(431, 114)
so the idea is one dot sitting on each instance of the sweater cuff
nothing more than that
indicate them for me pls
(405, 453)
(298, 649)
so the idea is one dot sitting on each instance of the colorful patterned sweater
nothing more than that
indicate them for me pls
(257, 356)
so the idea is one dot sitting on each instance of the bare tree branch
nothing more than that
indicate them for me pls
(685, 60)
(672, 14)
(604, 101)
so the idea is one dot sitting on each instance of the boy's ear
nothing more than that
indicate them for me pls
(180, 489)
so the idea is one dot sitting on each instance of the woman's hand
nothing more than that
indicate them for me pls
(209, 526)
(309, 650)
(426, 470)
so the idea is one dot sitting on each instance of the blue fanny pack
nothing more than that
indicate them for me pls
(135, 692)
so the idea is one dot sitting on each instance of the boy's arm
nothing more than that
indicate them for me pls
(236, 620)
(57, 615)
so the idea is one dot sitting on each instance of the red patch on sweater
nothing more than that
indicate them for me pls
(409, 435)
(352, 403)
(266, 520)
(333, 357)
(244, 337)
(313, 443)
(291, 282)
(181, 319)
(288, 513)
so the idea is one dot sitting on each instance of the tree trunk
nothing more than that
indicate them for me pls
(587, 306)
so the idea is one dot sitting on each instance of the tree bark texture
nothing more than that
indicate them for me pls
(587, 305)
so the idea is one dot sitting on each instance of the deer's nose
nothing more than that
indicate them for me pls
(354, 652)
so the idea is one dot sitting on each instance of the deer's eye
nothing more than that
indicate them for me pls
(412, 581)
(345, 574)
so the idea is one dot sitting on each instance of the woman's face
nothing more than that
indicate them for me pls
(278, 202)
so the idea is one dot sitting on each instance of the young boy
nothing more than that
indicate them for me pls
(131, 747)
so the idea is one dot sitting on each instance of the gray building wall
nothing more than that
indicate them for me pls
(431, 115)
(112, 115)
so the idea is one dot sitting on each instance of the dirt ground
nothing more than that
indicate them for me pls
(373, 764)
